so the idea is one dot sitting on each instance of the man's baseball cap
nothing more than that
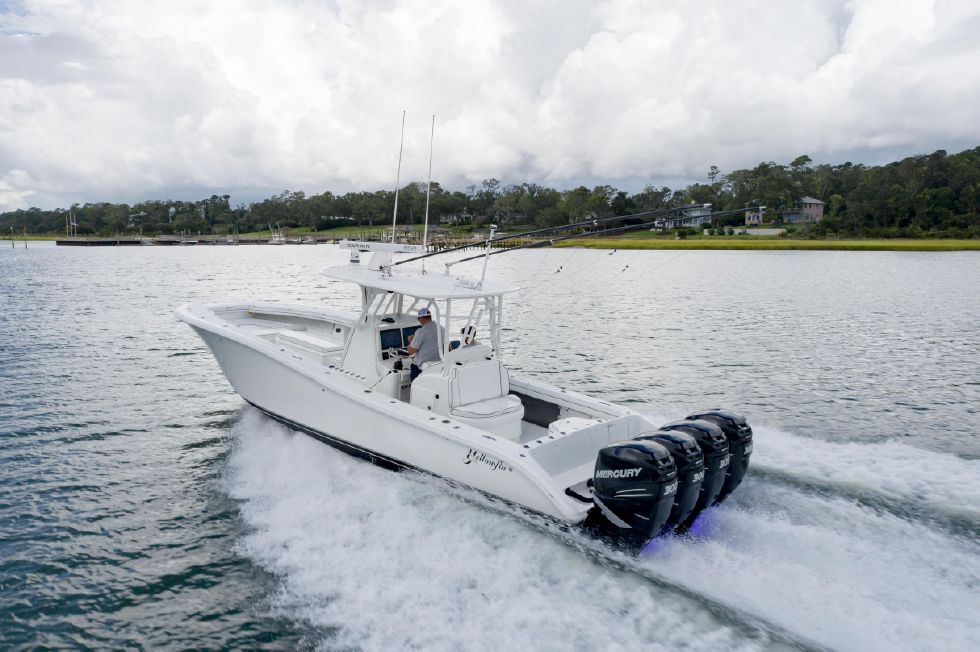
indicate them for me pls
(424, 312)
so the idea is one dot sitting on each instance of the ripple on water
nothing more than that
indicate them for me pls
(141, 507)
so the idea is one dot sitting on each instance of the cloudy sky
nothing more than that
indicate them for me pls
(114, 100)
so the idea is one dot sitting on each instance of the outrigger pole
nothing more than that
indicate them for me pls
(574, 236)
(524, 234)
(428, 190)
(398, 180)
(562, 227)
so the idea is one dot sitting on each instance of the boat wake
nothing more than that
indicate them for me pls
(911, 482)
(375, 559)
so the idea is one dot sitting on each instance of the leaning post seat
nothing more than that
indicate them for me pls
(473, 388)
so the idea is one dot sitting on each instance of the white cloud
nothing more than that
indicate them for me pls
(120, 101)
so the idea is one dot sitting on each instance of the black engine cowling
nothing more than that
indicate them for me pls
(739, 436)
(687, 456)
(714, 447)
(633, 486)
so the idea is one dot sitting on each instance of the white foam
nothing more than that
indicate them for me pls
(925, 479)
(386, 561)
(832, 571)
(379, 560)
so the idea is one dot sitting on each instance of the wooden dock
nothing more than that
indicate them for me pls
(100, 242)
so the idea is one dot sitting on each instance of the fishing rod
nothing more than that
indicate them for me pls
(618, 229)
(562, 227)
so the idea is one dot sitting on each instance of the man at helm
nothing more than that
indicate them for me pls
(424, 344)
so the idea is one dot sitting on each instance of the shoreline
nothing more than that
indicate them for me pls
(731, 244)
(701, 243)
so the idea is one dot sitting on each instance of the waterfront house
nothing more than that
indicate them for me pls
(754, 217)
(806, 210)
(693, 216)
(458, 218)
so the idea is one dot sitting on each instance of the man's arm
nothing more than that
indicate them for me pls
(415, 343)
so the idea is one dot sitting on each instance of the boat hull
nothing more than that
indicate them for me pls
(367, 455)
(336, 407)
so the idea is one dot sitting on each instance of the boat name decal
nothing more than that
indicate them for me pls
(618, 473)
(479, 456)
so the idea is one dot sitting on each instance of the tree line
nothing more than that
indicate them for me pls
(933, 195)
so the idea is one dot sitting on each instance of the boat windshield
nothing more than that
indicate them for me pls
(463, 320)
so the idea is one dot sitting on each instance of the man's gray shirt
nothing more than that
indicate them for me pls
(426, 343)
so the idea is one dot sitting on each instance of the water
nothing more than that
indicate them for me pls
(143, 504)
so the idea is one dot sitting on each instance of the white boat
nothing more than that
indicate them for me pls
(277, 236)
(343, 377)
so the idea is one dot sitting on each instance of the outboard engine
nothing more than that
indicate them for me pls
(690, 472)
(714, 448)
(633, 487)
(739, 436)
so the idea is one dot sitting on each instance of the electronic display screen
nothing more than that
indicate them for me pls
(409, 330)
(391, 338)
